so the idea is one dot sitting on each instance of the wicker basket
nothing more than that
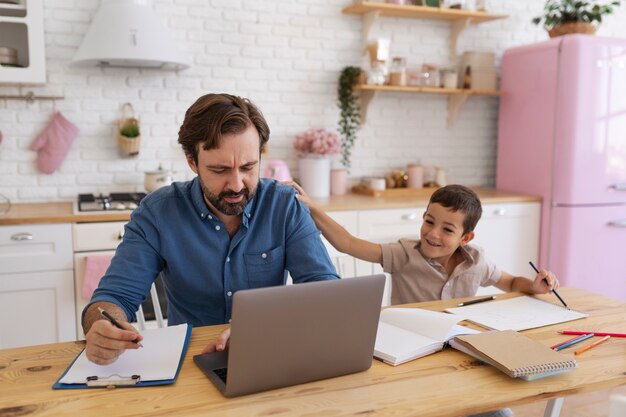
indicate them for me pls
(572, 27)
(128, 147)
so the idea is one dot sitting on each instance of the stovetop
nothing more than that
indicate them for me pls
(111, 202)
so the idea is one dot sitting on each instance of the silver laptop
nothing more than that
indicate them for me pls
(288, 335)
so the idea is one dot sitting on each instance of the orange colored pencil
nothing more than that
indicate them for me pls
(590, 345)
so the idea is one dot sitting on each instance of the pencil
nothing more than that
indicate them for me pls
(546, 281)
(594, 333)
(478, 300)
(115, 323)
(569, 343)
(573, 340)
(590, 345)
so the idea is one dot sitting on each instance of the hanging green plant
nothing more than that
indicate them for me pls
(349, 112)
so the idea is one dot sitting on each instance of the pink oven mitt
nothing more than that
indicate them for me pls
(53, 143)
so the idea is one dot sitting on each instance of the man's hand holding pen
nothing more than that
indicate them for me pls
(107, 339)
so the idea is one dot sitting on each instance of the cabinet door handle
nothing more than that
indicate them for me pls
(619, 187)
(618, 223)
(22, 236)
(410, 216)
(499, 212)
(120, 235)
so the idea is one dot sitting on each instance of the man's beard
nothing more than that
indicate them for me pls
(223, 206)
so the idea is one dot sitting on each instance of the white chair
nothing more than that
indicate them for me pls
(158, 313)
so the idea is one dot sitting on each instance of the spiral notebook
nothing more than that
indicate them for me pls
(515, 354)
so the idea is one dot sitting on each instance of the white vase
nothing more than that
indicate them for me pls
(315, 175)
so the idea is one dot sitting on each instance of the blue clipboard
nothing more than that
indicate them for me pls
(124, 382)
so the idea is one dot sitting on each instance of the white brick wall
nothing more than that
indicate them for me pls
(285, 55)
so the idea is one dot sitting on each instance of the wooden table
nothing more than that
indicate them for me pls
(447, 383)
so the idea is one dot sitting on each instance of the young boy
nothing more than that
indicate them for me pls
(441, 265)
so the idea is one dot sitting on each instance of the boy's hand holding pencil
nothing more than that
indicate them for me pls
(544, 282)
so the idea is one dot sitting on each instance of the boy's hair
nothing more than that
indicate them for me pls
(460, 198)
(214, 115)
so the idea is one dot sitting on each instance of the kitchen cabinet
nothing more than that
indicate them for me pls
(21, 28)
(509, 233)
(36, 285)
(459, 21)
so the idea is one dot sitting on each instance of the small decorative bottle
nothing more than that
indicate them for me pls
(467, 78)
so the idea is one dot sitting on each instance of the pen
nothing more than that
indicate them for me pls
(478, 300)
(594, 333)
(590, 345)
(546, 281)
(115, 323)
(571, 342)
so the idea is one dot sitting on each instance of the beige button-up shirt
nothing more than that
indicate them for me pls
(415, 278)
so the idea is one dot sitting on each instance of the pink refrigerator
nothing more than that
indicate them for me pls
(562, 135)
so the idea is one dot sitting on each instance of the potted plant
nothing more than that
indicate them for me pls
(561, 17)
(349, 111)
(128, 133)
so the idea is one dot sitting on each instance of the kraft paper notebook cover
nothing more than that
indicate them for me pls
(405, 334)
(519, 313)
(515, 354)
(156, 363)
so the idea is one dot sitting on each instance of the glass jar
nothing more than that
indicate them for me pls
(397, 74)
(377, 74)
(429, 75)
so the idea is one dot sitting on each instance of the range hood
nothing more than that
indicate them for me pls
(128, 33)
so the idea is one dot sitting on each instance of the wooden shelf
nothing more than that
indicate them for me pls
(423, 12)
(459, 19)
(456, 96)
(427, 90)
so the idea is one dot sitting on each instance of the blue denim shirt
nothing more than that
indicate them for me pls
(173, 231)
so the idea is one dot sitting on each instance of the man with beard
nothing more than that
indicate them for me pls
(221, 232)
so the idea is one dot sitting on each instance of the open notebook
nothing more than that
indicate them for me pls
(519, 313)
(156, 363)
(405, 334)
(515, 354)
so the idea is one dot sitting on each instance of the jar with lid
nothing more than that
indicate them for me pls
(397, 74)
(449, 78)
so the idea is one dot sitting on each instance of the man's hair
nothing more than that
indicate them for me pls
(214, 115)
(460, 198)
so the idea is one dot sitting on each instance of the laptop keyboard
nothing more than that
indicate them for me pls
(222, 373)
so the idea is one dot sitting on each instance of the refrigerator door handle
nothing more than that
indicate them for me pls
(618, 223)
(619, 187)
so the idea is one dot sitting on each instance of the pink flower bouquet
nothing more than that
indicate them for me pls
(317, 141)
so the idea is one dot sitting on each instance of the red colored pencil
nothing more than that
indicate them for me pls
(594, 333)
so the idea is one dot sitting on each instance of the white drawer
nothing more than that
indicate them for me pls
(97, 236)
(389, 225)
(510, 210)
(30, 248)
